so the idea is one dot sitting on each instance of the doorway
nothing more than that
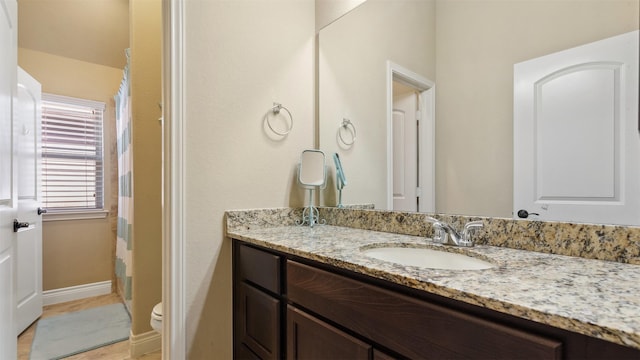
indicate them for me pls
(88, 74)
(410, 140)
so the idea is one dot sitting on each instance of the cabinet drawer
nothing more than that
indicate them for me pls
(420, 329)
(311, 338)
(259, 267)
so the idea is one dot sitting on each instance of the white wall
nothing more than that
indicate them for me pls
(353, 53)
(240, 57)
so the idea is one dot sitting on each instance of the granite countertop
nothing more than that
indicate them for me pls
(592, 297)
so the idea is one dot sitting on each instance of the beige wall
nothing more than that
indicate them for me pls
(91, 31)
(328, 11)
(240, 56)
(78, 252)
(353, 53)
(145, 34)
(477, 44)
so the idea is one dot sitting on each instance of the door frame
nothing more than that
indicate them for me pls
(426, 133)
(9, 201)
(173, 211)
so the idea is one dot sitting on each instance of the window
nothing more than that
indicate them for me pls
(72, 154)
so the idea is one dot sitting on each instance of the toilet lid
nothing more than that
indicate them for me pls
(157, 311)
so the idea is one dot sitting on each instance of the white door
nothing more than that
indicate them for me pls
(405, 148)
(576, 134)
(29, 239)
(8, 177)
(410, 147)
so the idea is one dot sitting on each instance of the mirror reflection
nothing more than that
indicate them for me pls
(341, 179)
(468, 50)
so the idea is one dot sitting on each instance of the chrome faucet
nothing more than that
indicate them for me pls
(447, 235)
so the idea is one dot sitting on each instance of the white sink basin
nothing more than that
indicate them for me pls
(427, 258)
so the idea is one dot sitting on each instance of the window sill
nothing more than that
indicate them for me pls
(75, 215)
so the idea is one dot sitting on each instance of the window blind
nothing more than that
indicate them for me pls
(72, 153)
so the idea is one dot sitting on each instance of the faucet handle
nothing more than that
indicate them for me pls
(439, 233)
(469, 227)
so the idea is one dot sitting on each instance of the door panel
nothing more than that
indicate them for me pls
(587, 161)
(259, 322)
(405, 152)
(29, 239)
(399, 156)
(8, 190)
(576, 141)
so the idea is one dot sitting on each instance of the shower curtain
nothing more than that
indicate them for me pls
(124, 239)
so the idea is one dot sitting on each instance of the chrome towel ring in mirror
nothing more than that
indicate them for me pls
(347, 126)
(276, 110)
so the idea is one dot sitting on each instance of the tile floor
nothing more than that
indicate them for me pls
(117, 351)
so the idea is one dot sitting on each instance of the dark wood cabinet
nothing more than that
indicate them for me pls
(411, 327)
(293, 308)
(257, 304)
(311, 338)
(258, 321)
(243, 352)
(377, 355)
(259, 268)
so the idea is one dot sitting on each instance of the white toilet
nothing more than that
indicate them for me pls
(156, 318)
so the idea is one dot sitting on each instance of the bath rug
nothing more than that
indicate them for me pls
(68, 334)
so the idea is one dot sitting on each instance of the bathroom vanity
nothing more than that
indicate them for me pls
(304, 293)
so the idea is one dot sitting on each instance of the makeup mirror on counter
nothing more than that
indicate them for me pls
(468, 49)
(312, 175)
(312, 171)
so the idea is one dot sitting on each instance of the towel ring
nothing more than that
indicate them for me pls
(348, 126)
(276, 110)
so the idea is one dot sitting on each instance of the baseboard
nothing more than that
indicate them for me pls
(144, 343)
(57, 296)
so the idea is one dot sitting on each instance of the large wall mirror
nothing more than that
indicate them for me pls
(468, 48)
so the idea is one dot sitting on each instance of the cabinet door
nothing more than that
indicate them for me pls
(242, 352)
(378, 355)
(257, 322)
(310, 338)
